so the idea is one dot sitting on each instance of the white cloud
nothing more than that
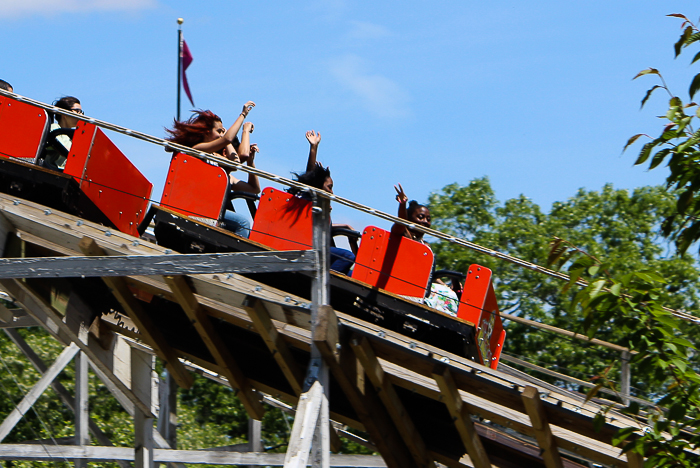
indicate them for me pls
(16, 8)
(378, 94)
(367, 31)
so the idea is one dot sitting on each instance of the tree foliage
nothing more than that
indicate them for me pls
(679, 144)
(616, 225)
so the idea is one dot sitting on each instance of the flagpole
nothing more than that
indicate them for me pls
(179, 63)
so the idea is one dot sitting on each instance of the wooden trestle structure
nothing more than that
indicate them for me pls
(418, 404)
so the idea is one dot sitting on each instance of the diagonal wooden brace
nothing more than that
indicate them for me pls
(215, 344)
(150, 332)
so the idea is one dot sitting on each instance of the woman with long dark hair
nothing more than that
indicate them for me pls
(319, 177)
(205, 131)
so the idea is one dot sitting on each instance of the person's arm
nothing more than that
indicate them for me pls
(314, 139)
(253, 185)
(401, 197)
(227, 138)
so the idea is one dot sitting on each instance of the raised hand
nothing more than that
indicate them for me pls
(248, 127)
(247, 108)
(400, 195)
(313, 137)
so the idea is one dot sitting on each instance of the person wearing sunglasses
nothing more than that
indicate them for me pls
(61, 133)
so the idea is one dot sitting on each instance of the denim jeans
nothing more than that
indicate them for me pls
(236, 223)
(342, 260)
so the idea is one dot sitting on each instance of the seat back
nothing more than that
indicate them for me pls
(283, 221)
(108, 178)
(195, 188)
(394, 263)
(478, 305)
(23, 129)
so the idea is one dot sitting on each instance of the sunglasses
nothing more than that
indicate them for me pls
(78, 111)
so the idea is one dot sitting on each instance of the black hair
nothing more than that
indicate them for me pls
(6, 86)
(316, 177)
(413, 206)
(66, 102)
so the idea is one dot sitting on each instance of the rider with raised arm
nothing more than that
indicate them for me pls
(204, 131)
(320, 177)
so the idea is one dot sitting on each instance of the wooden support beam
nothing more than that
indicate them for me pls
(157, 265)
(148, 329)
(37, 390)
(308, 411)
(142, 386)
(82, 434)
(216, 345)
(543, 433)
(392, 402)
(51, 453)
(634, 460)
(280, 350)
(461, 416)
(366, 404)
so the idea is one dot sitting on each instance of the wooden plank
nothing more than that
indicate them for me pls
(148, 330)
(635, 460)
(95, 453)
(37, 390)
(82, 434)
(149, 265)
(543, 433)
(461, 416)
(142, 386)
(280, 350)
(389, 397)
(216, 345)
(308, 410)
(369, 409)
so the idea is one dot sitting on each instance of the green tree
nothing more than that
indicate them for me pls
(617, 225)
(679, 145)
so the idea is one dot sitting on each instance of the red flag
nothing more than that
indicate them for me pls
(186, 61)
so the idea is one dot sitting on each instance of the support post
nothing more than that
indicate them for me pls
(320, 296)
(167, 416)
(82, 435)
(254, 436)
(312, 419)
(625, 377)
(141, 385)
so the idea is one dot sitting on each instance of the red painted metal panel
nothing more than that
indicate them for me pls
(394, 263)
(195, 188)
(23, 129)
(108, 178)
(283, 221)
(80, 150)
(479, 306)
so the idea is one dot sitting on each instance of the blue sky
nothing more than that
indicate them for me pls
(535, 95)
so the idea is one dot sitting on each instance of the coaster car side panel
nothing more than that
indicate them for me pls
(394, 263)
(195, 188)
(23, 129)
(478, 305)
(283, 221)
(108, 178)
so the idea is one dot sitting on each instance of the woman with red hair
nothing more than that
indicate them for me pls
(204, 131)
